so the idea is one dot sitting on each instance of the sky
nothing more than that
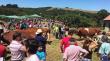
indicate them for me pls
(94, 5)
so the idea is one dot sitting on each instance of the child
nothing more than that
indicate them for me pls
(41, 54)
(31, 48)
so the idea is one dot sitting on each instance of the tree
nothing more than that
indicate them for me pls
(15, 6)
(12, 6)
(2, 6)
(101, 15)
(8, 5)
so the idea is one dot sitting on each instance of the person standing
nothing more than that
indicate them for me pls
(16, 48)
(104, 50)
(66, 30)
(41, 40)
(41, 55)
(104, 37)
(24, 26)
(56, 30)
(65, 41)
(1, 30)
(72, 52)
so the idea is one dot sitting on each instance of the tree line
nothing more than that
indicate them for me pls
(71, 17)
(10, 6)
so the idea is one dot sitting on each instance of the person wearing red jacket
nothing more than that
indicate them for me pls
(65, 41)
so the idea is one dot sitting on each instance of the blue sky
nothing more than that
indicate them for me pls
(78, 4)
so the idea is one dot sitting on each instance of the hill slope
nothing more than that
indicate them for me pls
(72, 17)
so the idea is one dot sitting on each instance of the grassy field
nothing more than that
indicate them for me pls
(53, 52)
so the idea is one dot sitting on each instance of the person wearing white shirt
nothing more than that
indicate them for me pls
(16, 48)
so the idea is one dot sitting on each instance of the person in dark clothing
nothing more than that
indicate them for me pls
(104, 37)
(40, 39)
(66, 30)
(1, 30)
(24, 26)
(60, 32)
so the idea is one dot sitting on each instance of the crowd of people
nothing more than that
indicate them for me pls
(58, 28)
(74, 52)
(32, 22)
(27, 50)
(35, 49)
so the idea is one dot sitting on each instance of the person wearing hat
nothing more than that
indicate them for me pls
(41, 53)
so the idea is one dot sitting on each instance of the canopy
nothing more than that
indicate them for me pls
(35, 15)
(20, 17)
(23, 17)
(2, 16)
(13, 16)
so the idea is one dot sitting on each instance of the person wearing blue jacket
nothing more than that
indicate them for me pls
(42, 43)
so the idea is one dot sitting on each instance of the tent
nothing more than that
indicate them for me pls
(13, 17)
(2, 16)
(34, 15)
(19, 17)
(22, 17)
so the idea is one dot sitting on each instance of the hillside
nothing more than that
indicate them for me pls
(72, 9)
(71, 16)
(28, 11)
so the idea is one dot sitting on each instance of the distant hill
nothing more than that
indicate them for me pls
(71, 16)
(28, 11)
(72, 9)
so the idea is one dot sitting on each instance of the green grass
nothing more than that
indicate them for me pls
(53, 52)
